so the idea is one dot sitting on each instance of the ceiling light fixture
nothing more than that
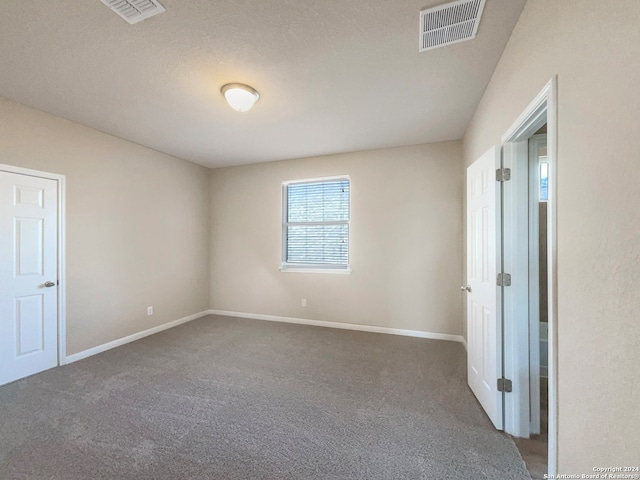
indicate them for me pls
(239, 96)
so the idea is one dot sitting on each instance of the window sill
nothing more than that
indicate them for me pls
(334, 271)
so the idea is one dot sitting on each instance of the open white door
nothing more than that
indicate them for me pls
(28, 275)
(484, 343)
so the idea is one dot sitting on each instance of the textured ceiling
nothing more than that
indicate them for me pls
(334, 75)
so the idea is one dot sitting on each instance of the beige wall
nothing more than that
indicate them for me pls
(406, 214)
(137, 225)
(594, 48)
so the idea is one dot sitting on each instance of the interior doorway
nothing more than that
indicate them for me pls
(534, 450)
(538, 282)
(530, 302)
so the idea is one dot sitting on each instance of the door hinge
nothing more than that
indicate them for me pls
(504, 385)
(503, 174)
(504, 280)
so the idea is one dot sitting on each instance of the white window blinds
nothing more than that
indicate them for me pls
(316, 224)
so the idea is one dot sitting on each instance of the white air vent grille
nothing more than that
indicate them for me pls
(451, 23)
(134, 11)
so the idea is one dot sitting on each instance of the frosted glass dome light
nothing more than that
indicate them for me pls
(239, 96)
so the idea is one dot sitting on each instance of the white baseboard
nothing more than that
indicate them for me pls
(344, 326)
(271, 318)
(131, 338)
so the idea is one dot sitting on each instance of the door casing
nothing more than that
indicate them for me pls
(62, 288)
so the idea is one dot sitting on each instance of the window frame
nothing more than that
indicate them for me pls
(313, 267)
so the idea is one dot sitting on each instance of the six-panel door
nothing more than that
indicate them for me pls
(28, 260)
(483, 327)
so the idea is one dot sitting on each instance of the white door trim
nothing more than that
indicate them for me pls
(62, 288)
(543, 105)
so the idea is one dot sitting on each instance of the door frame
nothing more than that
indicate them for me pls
(542, 109)
(61, 251)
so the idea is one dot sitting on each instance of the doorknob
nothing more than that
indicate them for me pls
(49, 284)
(467, 288)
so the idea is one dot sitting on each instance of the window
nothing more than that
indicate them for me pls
(315, 225)
(544, 179)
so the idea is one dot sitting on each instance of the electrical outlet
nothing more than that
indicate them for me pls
(303, 302)
(149, 310)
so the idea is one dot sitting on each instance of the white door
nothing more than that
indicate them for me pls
(28, 275)
(483, 326)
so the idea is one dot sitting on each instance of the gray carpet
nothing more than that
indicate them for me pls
(222, 398)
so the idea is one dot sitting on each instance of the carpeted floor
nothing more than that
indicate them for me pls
(222, 398)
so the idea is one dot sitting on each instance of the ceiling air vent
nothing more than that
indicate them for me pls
(134, 11)
(451, 23)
